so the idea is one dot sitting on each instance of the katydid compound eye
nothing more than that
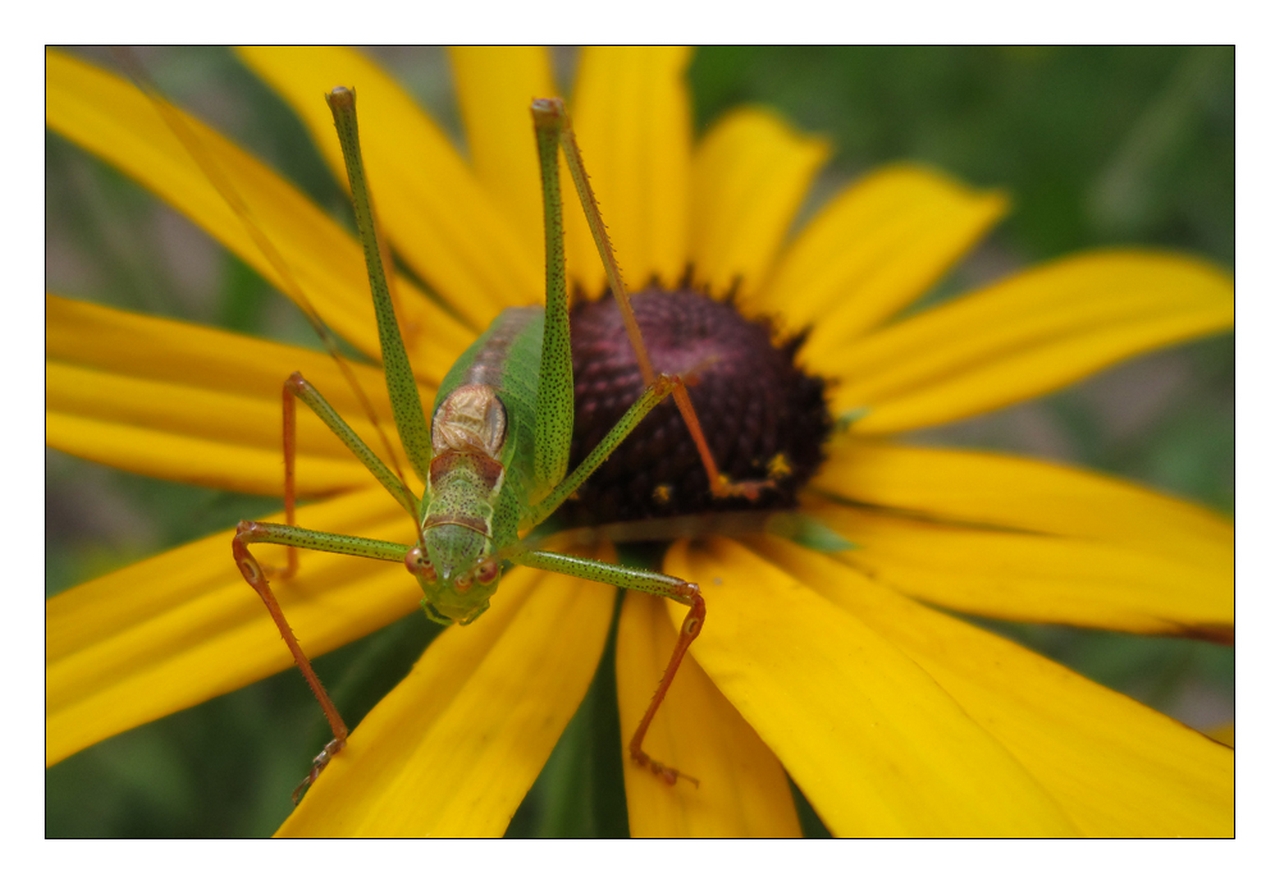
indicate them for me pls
(418, 564)
(487, 572)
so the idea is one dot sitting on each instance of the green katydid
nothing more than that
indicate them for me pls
(495, 458)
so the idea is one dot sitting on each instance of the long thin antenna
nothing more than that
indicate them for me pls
(208, 165)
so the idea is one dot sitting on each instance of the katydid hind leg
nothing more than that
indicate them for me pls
(402, 385)
(553, 430)
(407, 409)
(554, 133)
(721, 485)
(289, 534)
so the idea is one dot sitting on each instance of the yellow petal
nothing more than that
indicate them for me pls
(149, 347)
(875, 248)
(453, 749)
(192, 404)
(183, 626)
(1018, 576)
(495, 85)
(742, 791)
(110, 118)
(1023, 337)
(1004, 491)
(185, 410)
(869, 737)
(436, 214)
(632, 117)
(750, 173)
(1118, 768)
(180, 457)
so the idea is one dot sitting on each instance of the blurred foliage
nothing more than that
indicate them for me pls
(1097, 146)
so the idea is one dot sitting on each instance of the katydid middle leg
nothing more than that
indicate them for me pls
(297, 387)
(637, 579)
(640, 580)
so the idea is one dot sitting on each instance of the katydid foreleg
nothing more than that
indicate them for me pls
(294, 538)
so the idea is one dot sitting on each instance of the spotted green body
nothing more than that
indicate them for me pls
(483, 443)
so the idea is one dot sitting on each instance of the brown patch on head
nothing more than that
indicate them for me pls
(488, 469)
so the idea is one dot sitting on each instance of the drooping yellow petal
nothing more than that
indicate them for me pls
(1023, 337)
(1118, 768)
(150, 347)
(437, 215)
(1005, 491)
(186, 410)
(184, 626)
(187, 403)
(180, 457)
(453, 749)
(742, 791)
(875, 248)
(495, 86)
(110, 118)
(1045, 579)
(869, 737)
(750, 173)
(632, 117)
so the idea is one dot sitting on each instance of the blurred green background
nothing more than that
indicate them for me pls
(1095, 145)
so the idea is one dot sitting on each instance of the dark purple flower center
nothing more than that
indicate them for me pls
(764, 418)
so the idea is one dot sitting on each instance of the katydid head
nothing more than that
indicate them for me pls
(457, 590)
(456, 564)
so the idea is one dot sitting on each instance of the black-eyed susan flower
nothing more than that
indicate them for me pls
(838, 668)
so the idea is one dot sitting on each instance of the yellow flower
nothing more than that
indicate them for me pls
(891, 716)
